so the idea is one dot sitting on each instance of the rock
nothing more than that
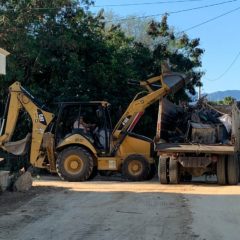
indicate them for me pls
(4, 180)
(23, 182)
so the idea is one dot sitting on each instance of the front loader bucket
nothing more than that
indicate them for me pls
(174, 81)
(19, 147)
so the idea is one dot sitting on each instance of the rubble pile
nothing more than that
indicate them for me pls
(200, 123)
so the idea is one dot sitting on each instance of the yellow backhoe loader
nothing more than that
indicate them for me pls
(75, 153)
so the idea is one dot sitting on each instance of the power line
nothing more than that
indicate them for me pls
(212, 19)
(130, 4)
(172, 12)
(110, 5)
(179, 11)
(37, 8)
(228, 69)
(146, 3)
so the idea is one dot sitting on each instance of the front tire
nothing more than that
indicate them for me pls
(135, 168)
(74, 164)
(94, 173)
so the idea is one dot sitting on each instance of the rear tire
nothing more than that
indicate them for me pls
(74, 164)
(221, 170)
(163, 170)
(135, 168)
(233, 169)
(94, 173)
(174, 176)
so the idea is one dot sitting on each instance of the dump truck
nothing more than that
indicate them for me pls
(197, 140)
(77, 154)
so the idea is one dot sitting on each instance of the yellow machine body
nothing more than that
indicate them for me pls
(76, 152)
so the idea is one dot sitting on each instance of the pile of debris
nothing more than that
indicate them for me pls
(198, 123)
(21, 181)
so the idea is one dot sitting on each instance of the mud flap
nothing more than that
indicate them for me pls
(19, 147)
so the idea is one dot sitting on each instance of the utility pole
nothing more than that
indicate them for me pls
(199, 89)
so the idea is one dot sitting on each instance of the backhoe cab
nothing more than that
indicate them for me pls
(89, 119)
(80, 141)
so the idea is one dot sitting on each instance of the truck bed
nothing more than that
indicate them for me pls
(193, 148)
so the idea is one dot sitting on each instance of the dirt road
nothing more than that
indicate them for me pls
(112, 210)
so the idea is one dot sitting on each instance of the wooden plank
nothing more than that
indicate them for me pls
(193, 148)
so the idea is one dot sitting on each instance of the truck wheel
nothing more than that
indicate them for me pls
(232, 169)
(74, 164)
(174, 176)
(163, 170)
(135, 168)
(221, 170)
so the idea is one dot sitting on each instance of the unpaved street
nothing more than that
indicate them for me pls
(108, 210)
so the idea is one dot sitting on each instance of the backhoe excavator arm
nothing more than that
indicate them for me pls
(20, 99)
(170, 82)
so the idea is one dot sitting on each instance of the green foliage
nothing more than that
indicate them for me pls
(164, 42)
(66, 53)
(226, 101)
(62, 52)
(158, 42)
(184, 54)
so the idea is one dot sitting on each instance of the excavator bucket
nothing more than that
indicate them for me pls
(174, 81)
(19, 147)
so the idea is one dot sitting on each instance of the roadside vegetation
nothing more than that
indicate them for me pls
(61, 51)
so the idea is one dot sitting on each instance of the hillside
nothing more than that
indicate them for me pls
(220, 95)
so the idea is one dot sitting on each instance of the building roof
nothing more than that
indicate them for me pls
(4, 52)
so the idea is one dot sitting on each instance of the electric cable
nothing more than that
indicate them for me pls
(172, 12)
(227, 70)
(212, 19)
(146, 3)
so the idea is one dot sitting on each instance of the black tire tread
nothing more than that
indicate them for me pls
(67, 177)
(146, 168)
(94, 173)
(232, 170)
(221, 170)
(162, 170)
(174, 176)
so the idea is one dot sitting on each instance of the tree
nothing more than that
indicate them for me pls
(163, 43)
(132, 26)
(228, 100)
(62, 52)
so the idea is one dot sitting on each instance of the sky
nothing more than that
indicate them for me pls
(219, 38)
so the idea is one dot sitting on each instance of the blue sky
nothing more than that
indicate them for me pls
(220, 38)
